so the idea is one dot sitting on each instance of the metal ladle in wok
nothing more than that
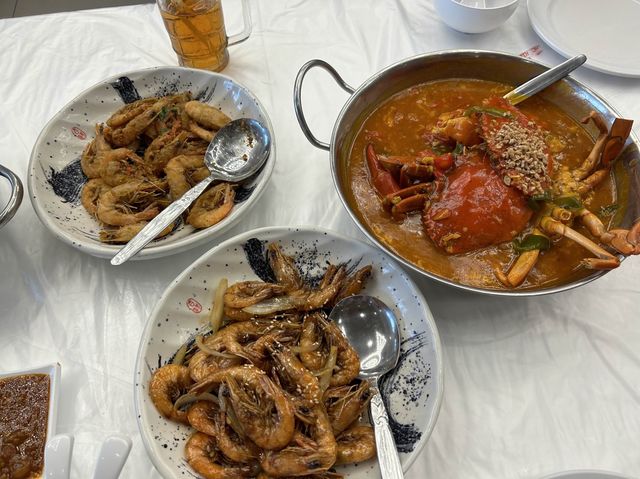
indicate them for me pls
(533, 86)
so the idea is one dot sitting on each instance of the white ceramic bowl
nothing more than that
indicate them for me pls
(413, 391)
(56, 178)
(475, 16)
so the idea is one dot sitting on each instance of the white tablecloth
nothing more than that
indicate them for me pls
(532, 386)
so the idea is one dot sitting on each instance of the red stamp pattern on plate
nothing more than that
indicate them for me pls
(534, 51)
(78, 133)
(194, 306)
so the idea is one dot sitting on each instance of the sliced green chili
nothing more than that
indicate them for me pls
(532, 242)
(568, 202)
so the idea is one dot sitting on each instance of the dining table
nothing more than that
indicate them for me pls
(532, 385)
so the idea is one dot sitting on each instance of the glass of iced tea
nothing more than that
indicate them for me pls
(198, 36)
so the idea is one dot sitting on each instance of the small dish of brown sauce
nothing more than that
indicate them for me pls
(24, 410)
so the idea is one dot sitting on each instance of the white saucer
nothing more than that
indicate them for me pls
(586, 474)
(607, 32)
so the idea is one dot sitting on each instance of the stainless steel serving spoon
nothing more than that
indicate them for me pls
(373, 332)
(237, 151)
(533, 86)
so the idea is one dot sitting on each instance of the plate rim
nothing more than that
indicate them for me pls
(538, 23)
(197, 238)
(572, 472)
(430, 320)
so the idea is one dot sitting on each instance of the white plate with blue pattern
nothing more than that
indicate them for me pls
(56, 178)
(413, 391)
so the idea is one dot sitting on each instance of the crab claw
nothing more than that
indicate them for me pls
(633, 237)
(619, 240)
(626, 242)
(381, 179)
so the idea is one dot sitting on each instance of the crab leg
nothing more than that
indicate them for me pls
(594, 157)
(607, 147)
(413, 203)
(408, 199)
(521, 267)
(417, 171)
(604, 260)
(396, 197)
(561, 214)
(592, 181)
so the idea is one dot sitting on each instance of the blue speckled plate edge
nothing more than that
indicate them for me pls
(281, 232)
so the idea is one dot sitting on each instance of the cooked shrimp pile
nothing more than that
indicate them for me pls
(273, 393)
(147, 154)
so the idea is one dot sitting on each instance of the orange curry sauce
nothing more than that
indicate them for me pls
(24, 410)
(398, 126)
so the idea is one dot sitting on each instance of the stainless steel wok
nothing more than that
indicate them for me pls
(571, 96)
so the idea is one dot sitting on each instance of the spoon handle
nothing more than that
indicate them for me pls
(542, 81)
(160, 222)
(113, 454)
(57, 457)
(388, 458)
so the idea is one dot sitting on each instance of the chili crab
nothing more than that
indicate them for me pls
(488, 176)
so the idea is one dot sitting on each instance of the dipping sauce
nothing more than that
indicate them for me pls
(24, 408)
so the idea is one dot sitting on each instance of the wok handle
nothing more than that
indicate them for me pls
(297, 97)
(16, 195)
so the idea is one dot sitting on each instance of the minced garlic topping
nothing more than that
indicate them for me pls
(523, 159)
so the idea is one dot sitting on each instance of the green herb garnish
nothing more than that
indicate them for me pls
(571, 203)
(532, 242)
(609, 210)
(535, 201)
(458, 149)
(544, 196)
(440, 148)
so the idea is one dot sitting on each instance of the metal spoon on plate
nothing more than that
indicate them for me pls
(237, 151)
(372, 329)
